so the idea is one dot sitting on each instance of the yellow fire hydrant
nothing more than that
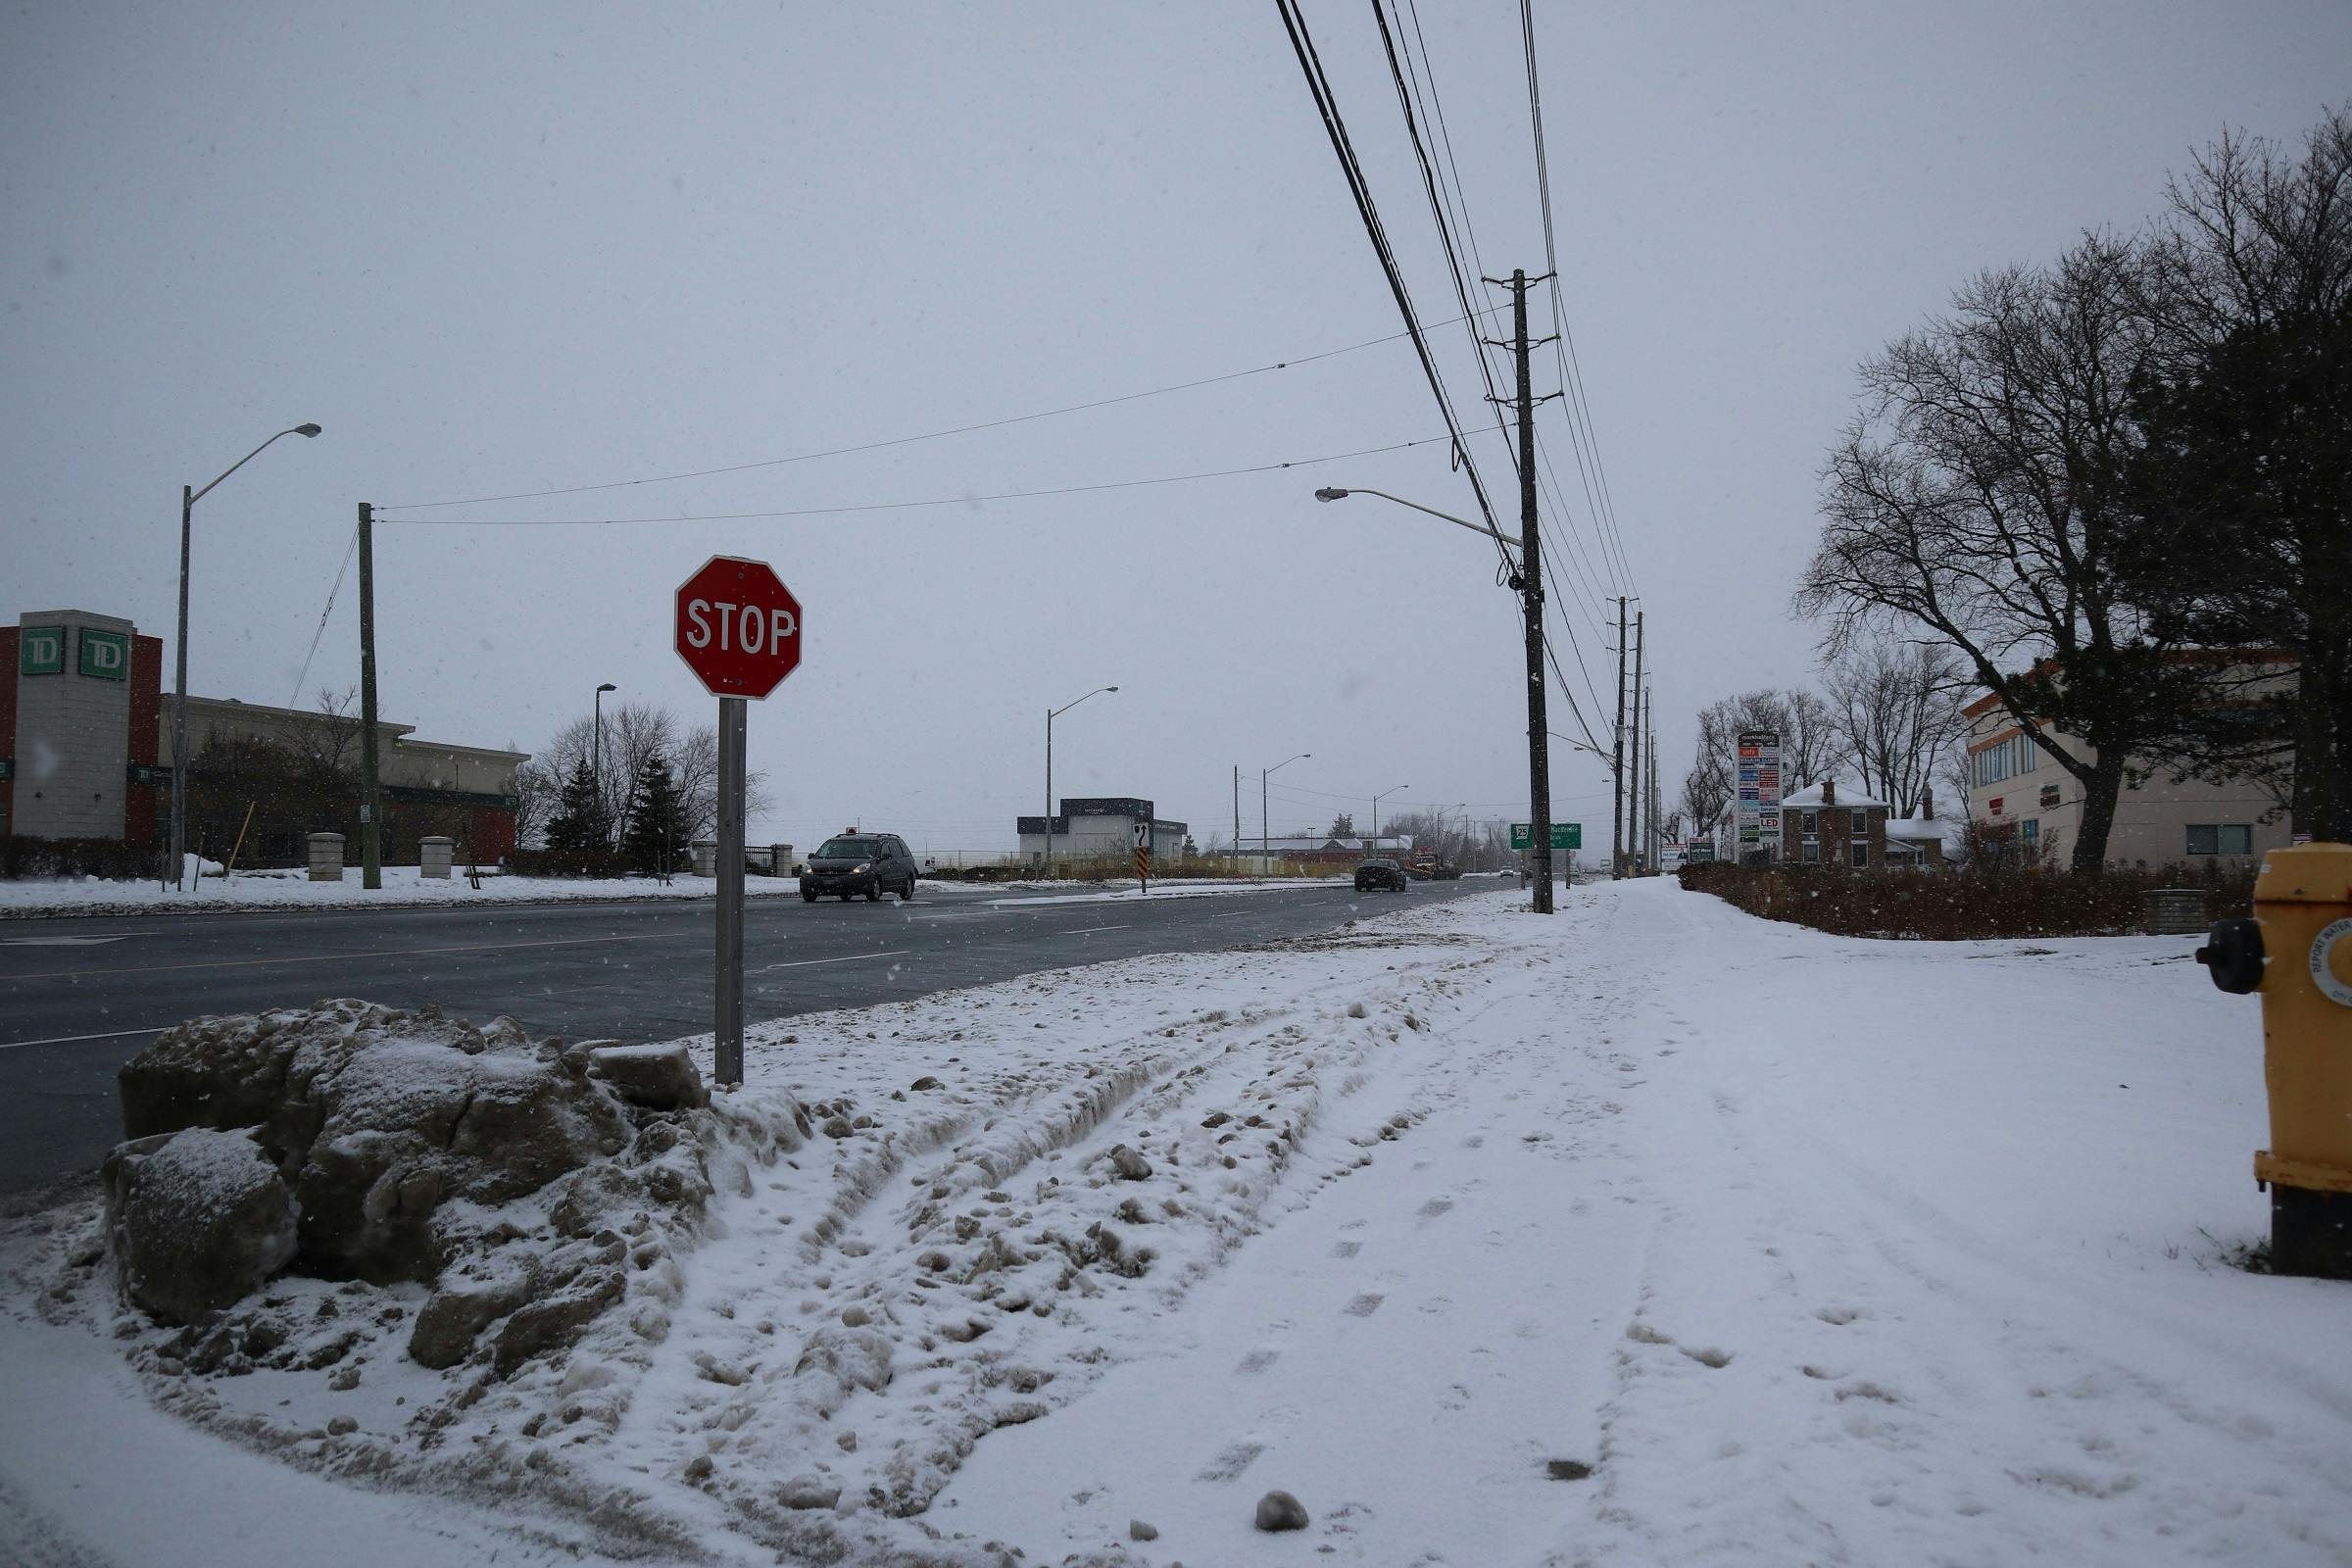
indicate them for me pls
(2297, 951)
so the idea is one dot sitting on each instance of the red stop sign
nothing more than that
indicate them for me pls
(738, 627)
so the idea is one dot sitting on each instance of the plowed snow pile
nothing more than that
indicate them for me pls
(1649, 1234)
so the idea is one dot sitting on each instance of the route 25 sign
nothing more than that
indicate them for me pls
(738, 627)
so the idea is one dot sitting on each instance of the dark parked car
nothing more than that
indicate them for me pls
(871, 864)
(1381, 873)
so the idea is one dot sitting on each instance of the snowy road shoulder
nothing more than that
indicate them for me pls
(1650, 1234)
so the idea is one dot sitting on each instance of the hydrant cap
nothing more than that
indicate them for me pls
(2307, 873)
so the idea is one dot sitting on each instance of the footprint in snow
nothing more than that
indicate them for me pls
(1365, 1304)
(1346, 1249)
(1436, 1207)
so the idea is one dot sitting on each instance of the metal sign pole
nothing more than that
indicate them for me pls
(727, 1050)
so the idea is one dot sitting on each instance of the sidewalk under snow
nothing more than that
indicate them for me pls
(1649, 1234)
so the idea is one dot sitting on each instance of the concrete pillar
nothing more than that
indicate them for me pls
(782, 854)
(705, 858)
(326, 856)
(433, 855)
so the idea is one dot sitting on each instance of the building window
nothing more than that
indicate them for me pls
(2029, 834)
(1811, 821)
(1812, 852)
(1859, 852)
(2220, 838)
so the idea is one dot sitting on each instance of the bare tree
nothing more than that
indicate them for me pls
(329, 741)
(538, 789)
(1896, 708)
(694, 764)
(1978, 497)
(634, 734)
(1806, 724)
(2245, 535)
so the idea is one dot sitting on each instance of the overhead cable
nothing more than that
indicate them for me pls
(908, 440)
(907, 506)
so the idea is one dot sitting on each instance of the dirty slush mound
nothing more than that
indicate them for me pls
(568, 1276)
(346, 1188)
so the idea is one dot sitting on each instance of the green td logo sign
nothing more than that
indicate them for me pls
(41, 649)
(105, 654)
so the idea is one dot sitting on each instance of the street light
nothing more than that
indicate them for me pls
(1374, 846)
(1528, 578)
(179, 706)
(599, 774)
(1262, 774)
(1046, 868)
(1331, 493)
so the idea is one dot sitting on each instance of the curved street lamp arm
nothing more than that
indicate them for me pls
(1460, 523)
(1066, 706)
(295, 429)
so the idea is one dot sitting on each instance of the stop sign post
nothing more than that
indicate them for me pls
(738, 629)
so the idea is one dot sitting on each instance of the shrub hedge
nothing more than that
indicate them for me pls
(109, 859)
(1963, 904)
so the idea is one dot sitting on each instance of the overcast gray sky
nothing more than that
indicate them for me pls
(516, 247)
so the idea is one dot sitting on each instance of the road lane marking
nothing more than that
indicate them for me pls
(56, 941)
(846, 957)
(330, 958)
(67, 1040)
(1235, 916)
(1092, 929)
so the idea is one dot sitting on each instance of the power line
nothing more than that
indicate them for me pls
(1571, 372)
(1445, 198)
(349, 551)
(907, 506)
(1336, 128)
(908, 440)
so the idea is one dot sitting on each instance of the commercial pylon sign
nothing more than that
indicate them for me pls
(738, 629)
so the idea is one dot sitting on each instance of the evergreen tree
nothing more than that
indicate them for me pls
(657, 818)
(578, 825)
(1343, 827)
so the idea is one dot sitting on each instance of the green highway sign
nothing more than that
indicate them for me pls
(1565, 836)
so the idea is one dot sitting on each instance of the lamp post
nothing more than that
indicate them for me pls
(596, 773)
(1262, 774)
(1373, 847)
(1045, 866)
(1527, 577)
(179, 705)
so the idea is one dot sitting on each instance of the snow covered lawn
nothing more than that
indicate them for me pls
(1652, 1233)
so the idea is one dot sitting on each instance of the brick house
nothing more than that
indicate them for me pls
(1822, 826)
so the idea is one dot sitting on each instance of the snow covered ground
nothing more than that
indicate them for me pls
(1650, 1234)
(403, 884)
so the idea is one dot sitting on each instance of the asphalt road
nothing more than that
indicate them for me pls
(80, 997)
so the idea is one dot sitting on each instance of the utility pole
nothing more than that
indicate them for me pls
(1237, 810)
(371, 816)
(1650, 775)
(1617, 761)
(1531, 592)
(1656, 843)
(1632, 782)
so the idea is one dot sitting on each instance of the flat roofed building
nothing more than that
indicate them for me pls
(1098, 827)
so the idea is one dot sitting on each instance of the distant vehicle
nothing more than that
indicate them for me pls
(1378, 873)
(1429, 868)
(852, 863)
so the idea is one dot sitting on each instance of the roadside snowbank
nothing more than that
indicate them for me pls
(403, 885)
(1652, 1234)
